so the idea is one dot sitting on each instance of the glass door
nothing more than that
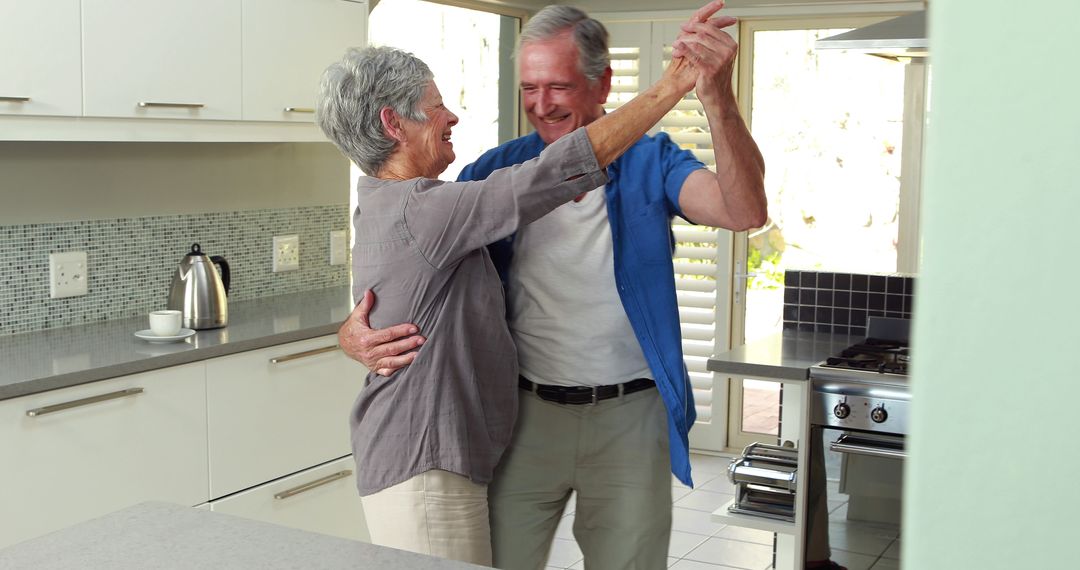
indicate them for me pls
(830, 125)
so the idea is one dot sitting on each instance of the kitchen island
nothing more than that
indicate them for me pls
(164, 536)
(786, 358)
(59, 358)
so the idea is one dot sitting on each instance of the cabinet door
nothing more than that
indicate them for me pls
(160, 58)
(40, 72)
(268, 419)
(65, 463)
(287, 45)
(322, 499)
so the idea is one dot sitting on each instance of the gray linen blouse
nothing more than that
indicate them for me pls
(420, 245)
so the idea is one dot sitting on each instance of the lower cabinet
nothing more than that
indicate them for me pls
(77, 453)
(321, 499)
(278, 410)
(262, 434)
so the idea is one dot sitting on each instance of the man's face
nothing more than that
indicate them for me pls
(558, 97)
(429, 148)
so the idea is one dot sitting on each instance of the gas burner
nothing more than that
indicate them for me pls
(873, 354)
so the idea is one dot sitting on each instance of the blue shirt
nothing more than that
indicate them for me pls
(642, 197)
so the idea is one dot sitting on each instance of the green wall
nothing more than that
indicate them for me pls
(995, 451)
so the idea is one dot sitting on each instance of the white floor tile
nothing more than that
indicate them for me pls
(716, 465)
(680, 491)
(893, 551)
(695, 522)
(685, 564)
(886, 564)
(719, 484)
(732, 553)
(564, 553)
(683, 542)
(565, 529)
(571, 504)
(833, 505)
(859, 539)
(702, 500)
(852, 560)
(746, 535)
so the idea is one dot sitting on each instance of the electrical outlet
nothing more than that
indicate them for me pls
(67, 274)
(286, 253)
(337, 247)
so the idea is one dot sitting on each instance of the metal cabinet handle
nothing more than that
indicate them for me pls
(83, 402)
(305, 354)
(316, 483)
(173, 105)
(14, 99)
(299, 110)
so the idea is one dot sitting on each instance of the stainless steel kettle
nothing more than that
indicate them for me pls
(199, 292)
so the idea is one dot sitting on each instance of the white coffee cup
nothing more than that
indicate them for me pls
(165, 323)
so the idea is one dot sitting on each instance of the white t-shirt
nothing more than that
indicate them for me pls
(566, 317)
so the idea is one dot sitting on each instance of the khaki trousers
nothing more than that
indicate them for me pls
(437, 513)
(614, 454)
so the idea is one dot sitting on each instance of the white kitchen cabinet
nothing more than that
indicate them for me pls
(40, 69)
(279, 410)
(286, 46)
(81, 452)
(161, 59)
(321, 499)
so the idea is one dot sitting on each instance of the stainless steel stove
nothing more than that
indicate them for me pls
(865, 387)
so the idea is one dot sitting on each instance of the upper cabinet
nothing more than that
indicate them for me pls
(286, 45)
(159, 70)
(39, 58)
(160, 58)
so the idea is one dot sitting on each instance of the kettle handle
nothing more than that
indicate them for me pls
(226, 277)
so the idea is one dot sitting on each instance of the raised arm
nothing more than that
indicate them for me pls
(733, 197)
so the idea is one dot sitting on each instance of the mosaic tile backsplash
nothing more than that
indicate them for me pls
(131, 261)
(841, 302)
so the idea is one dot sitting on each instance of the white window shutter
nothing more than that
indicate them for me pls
(639, 53)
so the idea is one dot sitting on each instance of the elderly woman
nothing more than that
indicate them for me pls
(427, 440)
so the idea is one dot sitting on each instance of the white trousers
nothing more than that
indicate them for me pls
(436, 513)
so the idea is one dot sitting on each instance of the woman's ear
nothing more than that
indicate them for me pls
(392, 124)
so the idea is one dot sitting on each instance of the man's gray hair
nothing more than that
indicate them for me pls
(354, 91)
(590, 36)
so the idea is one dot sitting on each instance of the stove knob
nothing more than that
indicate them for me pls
(841, 410)
(879, 414)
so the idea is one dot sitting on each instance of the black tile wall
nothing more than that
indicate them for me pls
(841, 302)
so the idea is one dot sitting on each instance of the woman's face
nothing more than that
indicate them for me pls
(428, 145)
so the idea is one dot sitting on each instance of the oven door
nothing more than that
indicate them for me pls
(873, 445)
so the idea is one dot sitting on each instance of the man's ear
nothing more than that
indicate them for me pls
(605, 85)
(392, 124)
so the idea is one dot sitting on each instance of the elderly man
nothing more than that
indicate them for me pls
(605, 400)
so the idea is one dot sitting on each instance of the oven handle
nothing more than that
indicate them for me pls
(846, 444)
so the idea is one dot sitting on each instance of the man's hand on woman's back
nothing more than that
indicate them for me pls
(384, 351)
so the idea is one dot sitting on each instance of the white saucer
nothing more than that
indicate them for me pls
(149, 336)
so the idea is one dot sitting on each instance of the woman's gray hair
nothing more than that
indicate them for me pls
(354, 91)
(590, 36)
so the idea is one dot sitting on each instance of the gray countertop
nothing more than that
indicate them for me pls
(784, 356)
(151, 536)
(58, 358)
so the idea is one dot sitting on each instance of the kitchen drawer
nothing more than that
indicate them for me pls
(63, 465)
(269, 419)
(321, 499)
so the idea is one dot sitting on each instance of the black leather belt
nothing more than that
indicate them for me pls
(576, 395)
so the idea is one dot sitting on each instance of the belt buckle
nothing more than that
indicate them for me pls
(594, 398)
